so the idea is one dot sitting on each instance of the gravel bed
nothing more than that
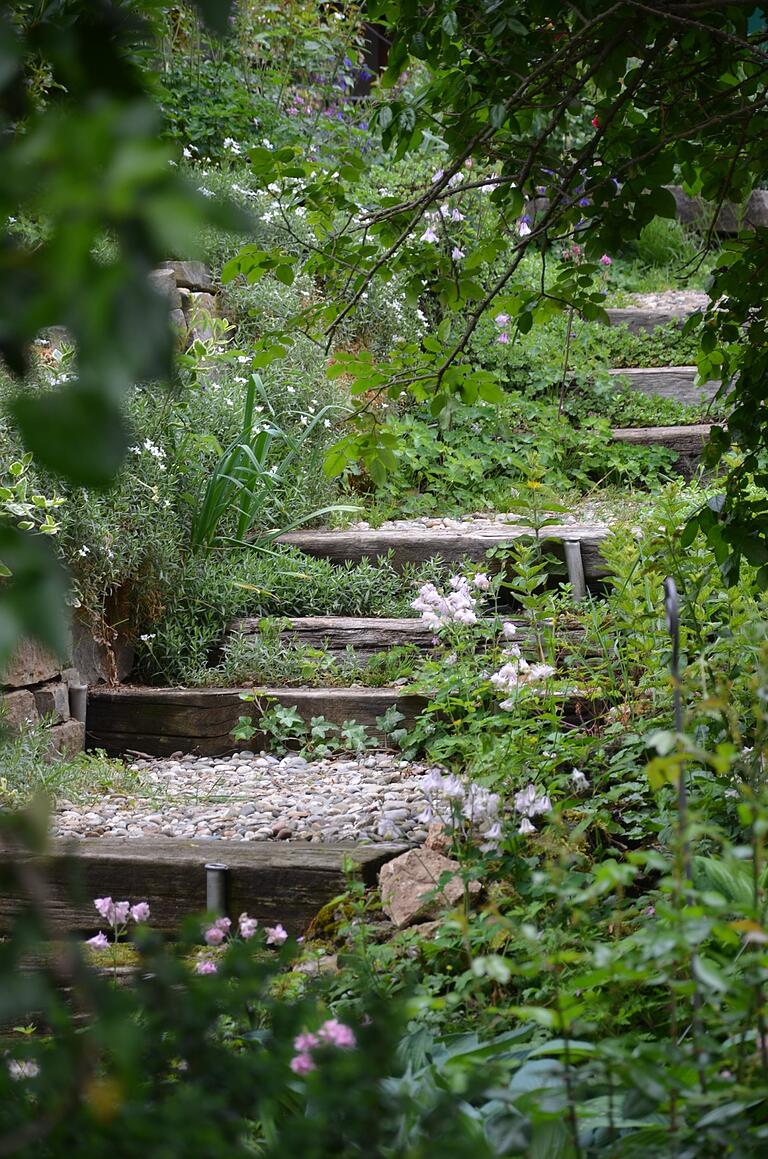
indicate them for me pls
(479, 521)
(671, 300)
(258, 797)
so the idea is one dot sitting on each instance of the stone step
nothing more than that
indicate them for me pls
(674, 382)
(417, 545)
(271, 881)
(162, 721)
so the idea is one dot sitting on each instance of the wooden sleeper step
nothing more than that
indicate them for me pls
(674, 382)
(271, 881)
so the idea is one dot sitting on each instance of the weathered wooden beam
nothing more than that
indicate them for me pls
(336, 633)
(647, 318)
(684, 440)
(674, 382)
(409, 546)
(162, 721)
(271, 881)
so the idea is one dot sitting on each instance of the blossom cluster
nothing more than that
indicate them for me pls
(216, 934)
(516, 671)
(117, 914)
(331, 1033)
(456, 607)
(529, 803)
(466, 807)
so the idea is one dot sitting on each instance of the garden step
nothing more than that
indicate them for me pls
(271, 881)
(687, 442)
(416, 545)
(162, 721)
(675, 382)
(367, 637)
(647, 318)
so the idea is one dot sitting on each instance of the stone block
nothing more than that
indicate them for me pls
(18, 709)
(192, 275)
(199, 311)
(67, 739)
(95, 662)
(165, 283)
(52, 700)
(409, 883)
(730, 219)
(30, 665)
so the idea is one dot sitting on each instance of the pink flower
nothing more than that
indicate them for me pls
(337, 1034)
(276, 935)
(223, 924)
(99, 941)
(502, 319)
(104, 907)
(606, 261)
(302, 1064)
(247, 925)
(140, 911)
(120, 913)
(457, 254)
(509, 630)
(214, 936)
(596, 122)
(429, 235)
(206, 966)
(457, 215)
(503, 338)
(481, 581)
(115, 912)
(305, 1042)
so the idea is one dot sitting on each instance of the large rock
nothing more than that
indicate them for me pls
(30, 665)
(164, 281)
(66, 739)
(96, 662)
(730, 219)
(52, 701)
(409, 883)
(192, 275)
(18, 709)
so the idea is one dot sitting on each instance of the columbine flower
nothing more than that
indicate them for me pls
(337, 1034)
(22, 1069)
(214, 936)
(438, 175)
(606, 261)
(437, 610)
(579, 781)
(247, 926)
(140, 911)
(206, 966)
(302, 1064)
(114, 912)
(502, 319)
(503, 338)
(276, 935)
(509, 630)
(429, 235)
(530, 804)
(523, 228)
(457, 254)
(481, 581)
(526, 827)
(99, 941)
(457, 215)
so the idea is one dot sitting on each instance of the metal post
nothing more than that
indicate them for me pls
(575, 565)
(672, 610)
(78, 700)
(216, 888)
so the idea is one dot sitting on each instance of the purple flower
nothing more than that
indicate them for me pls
(337, 1034)
(140, 911)
(214, 936)
(457, 215)
(503, 338)
(99, 941)
(305, 1042)
(606, 261)
(223, 924)
(429, 235)
(276, 935)
(481, 581)
(247, 926)
(302, 1064)
(457, 254)
(206, 966)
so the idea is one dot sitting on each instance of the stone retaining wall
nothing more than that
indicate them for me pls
(36, 687)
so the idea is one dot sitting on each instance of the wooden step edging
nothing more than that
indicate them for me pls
(647, 318)
(271, 881)
(674, 382)
(162, 721)
(417, 545)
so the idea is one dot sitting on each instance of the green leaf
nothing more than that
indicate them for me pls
(74, 431)
(711, 975)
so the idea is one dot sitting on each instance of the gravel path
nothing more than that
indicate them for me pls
(672, 300)
(480, 520)
(253, 797)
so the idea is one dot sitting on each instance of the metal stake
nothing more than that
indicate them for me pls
(216, 888)
(672, 610)
(575, 565)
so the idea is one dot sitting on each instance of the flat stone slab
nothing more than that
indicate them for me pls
(675, 382)
(271, 882)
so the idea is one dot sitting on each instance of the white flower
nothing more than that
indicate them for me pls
(526, 827)
(579, 781)
(429, 235)
(148, 637)
(481, 581)
(22, 1069)
(84, 550)
(457, 254)
(231, 145)
(523, 229)
(528, 802)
